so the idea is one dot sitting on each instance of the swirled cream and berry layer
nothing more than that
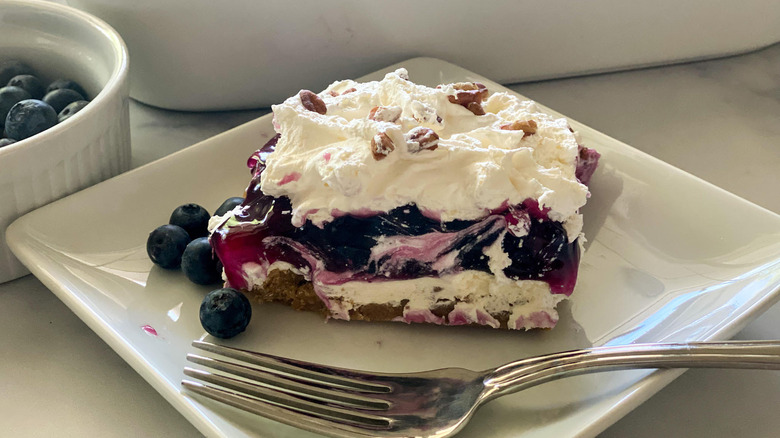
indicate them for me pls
(389, 200)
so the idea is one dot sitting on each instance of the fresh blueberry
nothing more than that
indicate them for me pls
(61, 98)
(166, 245)
(29, 117)
(70, 110)
(11, 68)
(229, 204)
(66, 84)
(225, 313)
(29, 83)
(199, 263)
(6, 141)
(10, 96)
(193, 218)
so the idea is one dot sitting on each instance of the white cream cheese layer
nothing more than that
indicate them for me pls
(324, 162)
(477, 295)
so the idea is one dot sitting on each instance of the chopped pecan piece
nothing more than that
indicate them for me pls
(381, 145)
(348, 90)
(527, 126)
(476, 108)
(470, 95)
(421, 138)
(385, 113)
(312, 102)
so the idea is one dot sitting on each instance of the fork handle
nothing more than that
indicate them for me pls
(522, 374)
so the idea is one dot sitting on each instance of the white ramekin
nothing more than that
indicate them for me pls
(92, 145)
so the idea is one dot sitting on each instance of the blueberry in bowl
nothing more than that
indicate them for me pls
(66, 84)
(29, 117)
(9, 68)
(61, 98)
(35, 114)
(64, 96)
(30, 83)
(10, 96)
(71, 110)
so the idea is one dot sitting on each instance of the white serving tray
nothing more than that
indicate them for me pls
(669, 258)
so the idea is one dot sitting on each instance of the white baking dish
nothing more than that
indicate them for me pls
(205, 54)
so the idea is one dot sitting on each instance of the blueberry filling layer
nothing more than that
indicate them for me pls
(398, 245)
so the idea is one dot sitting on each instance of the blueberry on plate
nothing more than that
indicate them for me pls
(11, 68)
(66, 84)
(29, 117)
(193, 218)
(29, 83)
(6, 141)
(61, 98)
(10, 96)
(225, 313)
(229, 204)
(165, 246)
(70, 110)
(200, 264)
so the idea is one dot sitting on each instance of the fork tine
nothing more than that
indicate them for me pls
(299, 370)
(325, 423)
(287, 385)
(287, 401)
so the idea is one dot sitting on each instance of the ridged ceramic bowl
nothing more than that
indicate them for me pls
(58, 41)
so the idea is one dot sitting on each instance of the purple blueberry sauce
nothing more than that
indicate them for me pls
(587, 162)
(404, 243)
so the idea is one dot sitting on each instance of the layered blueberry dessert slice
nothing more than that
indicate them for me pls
(392, 201)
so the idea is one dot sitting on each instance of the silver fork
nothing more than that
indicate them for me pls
(347, 403)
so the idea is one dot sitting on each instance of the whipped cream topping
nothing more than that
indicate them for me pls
(327, 166)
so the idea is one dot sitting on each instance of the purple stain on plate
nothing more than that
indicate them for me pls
(149, 330)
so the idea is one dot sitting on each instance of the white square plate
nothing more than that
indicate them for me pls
(669, 257)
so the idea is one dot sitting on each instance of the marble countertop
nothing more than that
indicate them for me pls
(718, 119)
